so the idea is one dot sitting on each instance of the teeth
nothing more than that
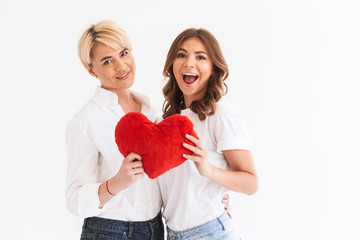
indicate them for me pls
(123, 75)
(190, 74)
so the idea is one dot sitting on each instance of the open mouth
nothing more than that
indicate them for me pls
(190, 78)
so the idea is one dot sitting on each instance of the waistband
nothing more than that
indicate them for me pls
(112, 225)
(219, 223)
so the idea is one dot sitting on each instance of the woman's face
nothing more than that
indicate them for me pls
(115, 68)
(192, 68)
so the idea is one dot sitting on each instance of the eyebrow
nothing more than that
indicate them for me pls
(197, 52)
(107, 57)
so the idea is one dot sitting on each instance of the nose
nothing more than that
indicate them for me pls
(119, 65)
(190, 62)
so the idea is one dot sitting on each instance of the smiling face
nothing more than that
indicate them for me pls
(115, 68)
(192, 69)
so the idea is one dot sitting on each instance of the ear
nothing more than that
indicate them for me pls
(90, 70)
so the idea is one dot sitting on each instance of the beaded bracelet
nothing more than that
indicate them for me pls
(107, 189)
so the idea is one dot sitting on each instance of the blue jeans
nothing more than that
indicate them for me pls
(219, 228)
(101, 228)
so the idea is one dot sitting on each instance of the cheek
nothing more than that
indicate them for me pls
(131, 63)
(175, 66)
(206, 69)
(176, 70)
(134, 67)
(100, 74)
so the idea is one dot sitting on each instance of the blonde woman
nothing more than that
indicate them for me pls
(117, 200)
(195, 70)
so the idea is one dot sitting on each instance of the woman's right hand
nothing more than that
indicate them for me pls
(130, 171)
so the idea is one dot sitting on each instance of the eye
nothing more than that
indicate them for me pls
(123, 54)
(201, 58)
(107, 62)
(181, 55)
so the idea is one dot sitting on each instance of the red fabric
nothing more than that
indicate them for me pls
(160, 145)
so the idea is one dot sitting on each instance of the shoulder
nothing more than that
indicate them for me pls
(225, 108)
(226, 115)
(85, 113)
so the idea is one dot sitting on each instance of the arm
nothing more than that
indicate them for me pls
(85, 196)
(131, 170)
(82, 168)
(241, 178)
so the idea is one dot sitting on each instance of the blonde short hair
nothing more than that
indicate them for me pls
(106, 32)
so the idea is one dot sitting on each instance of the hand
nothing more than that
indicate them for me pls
(130, 171)
(199, 157)
(226, 201)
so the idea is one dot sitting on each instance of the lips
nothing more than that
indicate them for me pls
(190, 78)
(123, 76)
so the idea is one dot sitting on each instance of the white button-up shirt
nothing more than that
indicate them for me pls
(93, 157)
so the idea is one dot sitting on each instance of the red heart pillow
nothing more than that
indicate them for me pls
(160, 145)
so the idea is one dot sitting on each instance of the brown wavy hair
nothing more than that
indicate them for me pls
(216, 87)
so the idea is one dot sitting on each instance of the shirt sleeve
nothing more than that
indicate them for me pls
(82, 170)
(232, 133)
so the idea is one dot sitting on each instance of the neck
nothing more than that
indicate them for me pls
(188, 100)
(124, 96)
(128, 102)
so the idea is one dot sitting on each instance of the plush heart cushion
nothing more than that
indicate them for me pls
(160, 145)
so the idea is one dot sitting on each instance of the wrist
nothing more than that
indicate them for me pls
(210, 172)
(109, 190)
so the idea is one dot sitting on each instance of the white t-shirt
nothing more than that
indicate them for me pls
(189, 199)
(93, 157)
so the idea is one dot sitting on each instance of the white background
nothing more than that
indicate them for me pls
(294, 73)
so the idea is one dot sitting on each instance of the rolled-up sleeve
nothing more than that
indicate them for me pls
(82, 170)
(232, 133)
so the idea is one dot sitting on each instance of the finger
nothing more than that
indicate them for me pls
(138, 176)
(196, 141)
(192, 157)
(228, 208)
(197, 137)
(134, 171)
(136, 166)
(138, 170)
(226, 198)
(193, 149)
(132, 156)
(135, 163)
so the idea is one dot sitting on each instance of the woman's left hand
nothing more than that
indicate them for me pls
(199, 157)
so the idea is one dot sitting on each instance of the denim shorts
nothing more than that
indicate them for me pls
(219, 228)
(102, 228)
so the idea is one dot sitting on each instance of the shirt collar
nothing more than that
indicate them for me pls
(104, 97)
(109, 98)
